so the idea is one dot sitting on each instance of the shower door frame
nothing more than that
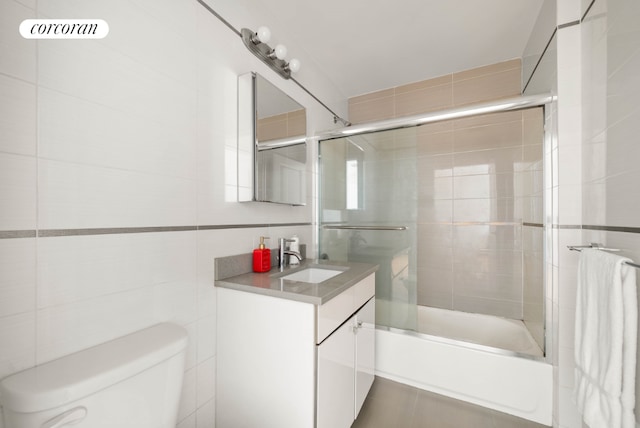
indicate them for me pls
(503, 105)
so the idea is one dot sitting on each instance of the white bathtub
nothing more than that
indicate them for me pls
(488, 330)
(507, 381)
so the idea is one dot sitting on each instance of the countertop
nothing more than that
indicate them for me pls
(272, 284)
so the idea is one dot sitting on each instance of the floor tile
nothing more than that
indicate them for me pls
(395, 405)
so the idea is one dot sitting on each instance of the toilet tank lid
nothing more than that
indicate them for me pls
(78, 375)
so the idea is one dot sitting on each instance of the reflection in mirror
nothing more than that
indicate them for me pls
(280, 174)
(271, 144)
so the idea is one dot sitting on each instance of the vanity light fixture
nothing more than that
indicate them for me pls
(256, 42)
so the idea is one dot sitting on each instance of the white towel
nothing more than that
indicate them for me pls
(605, 340)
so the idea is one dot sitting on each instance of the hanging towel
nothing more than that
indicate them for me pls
(605, 340)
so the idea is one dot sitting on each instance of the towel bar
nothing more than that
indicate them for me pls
(601, 247)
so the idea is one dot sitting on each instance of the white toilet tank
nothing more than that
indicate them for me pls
(131, 382)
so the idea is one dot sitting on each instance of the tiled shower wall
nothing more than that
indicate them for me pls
(480, 193)
(118, 179)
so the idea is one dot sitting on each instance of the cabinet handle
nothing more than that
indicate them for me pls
(357, 326)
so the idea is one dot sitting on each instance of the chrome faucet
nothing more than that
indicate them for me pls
(283, 260)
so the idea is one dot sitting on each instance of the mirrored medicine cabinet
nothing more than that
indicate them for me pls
(272, 150)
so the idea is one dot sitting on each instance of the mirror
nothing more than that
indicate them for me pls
(272, 151)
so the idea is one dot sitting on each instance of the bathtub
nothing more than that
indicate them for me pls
(508, 381)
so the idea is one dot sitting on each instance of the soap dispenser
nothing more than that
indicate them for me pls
(262, 257)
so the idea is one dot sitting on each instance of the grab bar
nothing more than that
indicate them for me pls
(328, 226)
(597, 246)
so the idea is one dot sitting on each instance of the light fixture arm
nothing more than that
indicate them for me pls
(265, 53)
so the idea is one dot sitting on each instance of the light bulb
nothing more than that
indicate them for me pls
(280, 51)
(294, 65)
(262, 35)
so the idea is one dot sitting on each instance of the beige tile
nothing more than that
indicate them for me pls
(513, 64)
(487, 87)
(297, 123)
(272, 128)
(484, 236)
(483, 186)
(501, 308)
(437, 211)
(492, 161)
(533, 130)
(437, 235)
(488, 137)
(371, 110)
(486, 210)
(435, 189)
(434, 128)
(435, 298)
(471, 263)
(424, 84)
(532, 157)
(488, 119)
(365, 98)
(533, 114)
(430, 167)
(423, 100)
(434, 144)
(436, 293)
(431, 256)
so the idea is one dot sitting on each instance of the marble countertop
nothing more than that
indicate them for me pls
(272, 284)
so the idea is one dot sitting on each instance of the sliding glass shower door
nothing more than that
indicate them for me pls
(368, 213)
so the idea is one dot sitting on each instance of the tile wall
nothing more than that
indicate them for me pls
(118, 179)
(479, 180)
(595, 193)
(291, 124)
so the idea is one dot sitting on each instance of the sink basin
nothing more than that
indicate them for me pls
(313, 275)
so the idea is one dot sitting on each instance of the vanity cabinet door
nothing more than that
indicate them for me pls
(365, 352)
(336, 389)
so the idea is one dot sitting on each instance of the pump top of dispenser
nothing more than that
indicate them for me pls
(262, 246)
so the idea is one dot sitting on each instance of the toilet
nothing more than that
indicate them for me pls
(134, 381)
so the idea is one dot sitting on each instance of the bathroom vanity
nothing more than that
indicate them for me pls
(295, 348)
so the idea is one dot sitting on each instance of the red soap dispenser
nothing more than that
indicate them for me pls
(262, 257)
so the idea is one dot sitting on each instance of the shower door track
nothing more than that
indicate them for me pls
(505, 104)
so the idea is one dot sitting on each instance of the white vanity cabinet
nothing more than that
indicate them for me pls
(346, 369)
(285, 363)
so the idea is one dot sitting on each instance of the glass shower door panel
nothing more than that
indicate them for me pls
(368, 211)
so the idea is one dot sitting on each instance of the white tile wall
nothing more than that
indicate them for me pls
(18, 57)
(603, 53)
(18, 282)
(134, 130)
(72, 195)
(17, 192)
(17, 116)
